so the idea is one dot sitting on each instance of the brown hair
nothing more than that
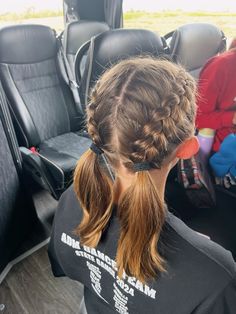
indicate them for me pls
(140, 110)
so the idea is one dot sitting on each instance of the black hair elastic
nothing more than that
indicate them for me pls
(97, 150)
(142, 166)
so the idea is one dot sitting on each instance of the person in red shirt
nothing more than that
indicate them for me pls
(217, 96)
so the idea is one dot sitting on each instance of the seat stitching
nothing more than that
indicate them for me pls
(37, 76)
(37, 89)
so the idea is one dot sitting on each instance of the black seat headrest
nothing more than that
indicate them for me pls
(115, 45)
(193, 44)
(78, 32)
(27, 44)
(112, 46)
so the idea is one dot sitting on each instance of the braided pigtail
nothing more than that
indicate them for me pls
(94, 190)
(142, 214)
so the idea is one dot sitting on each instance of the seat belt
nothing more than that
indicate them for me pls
(68, 76)
(9, 130)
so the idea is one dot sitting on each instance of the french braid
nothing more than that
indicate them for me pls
(140, 110)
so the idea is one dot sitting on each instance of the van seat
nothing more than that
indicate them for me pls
(77, 33)
(42, 106)
(110, 47)
(192, 45)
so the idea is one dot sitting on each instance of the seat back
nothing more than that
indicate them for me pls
(192, 45)
(17, 212)
(40, 101)
(109, 47)
(77, 33)
(107, 11)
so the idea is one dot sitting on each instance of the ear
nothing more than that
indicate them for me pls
(188, 148)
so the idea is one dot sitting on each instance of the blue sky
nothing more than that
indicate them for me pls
(148, 5)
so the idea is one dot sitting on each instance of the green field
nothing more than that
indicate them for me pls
(162, 22)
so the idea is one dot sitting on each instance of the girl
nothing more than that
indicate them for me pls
(117, 237)
(217, 96)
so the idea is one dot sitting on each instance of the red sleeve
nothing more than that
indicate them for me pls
(209, 89)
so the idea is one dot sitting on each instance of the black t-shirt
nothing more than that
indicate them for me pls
(200, 276)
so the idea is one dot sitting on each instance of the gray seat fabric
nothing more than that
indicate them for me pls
(39, 87)
(41, 103)
(76, 34)
(192, 45)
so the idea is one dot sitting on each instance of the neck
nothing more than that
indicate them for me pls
(125, 179)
